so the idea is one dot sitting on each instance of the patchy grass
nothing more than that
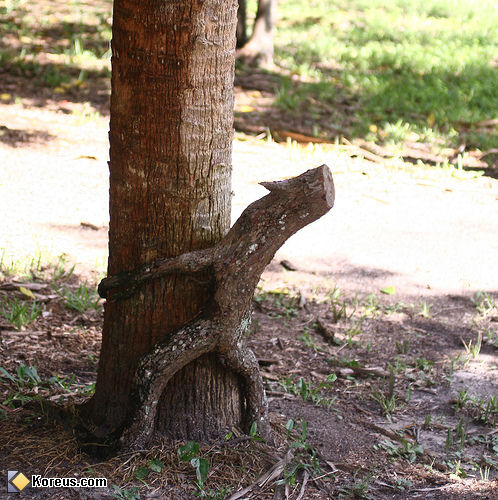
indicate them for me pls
(415, 71)
(341, 364)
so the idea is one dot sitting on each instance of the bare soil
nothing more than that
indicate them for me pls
(427, 236)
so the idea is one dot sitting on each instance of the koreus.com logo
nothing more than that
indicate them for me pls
(17, 481)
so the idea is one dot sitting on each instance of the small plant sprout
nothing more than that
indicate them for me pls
(308, 391)
(190, 453)
(403, 347)
(81, 299)
(305, 456)
(126, 493)
(371, 305)
(309, 341)
(18, 313)
(473, 350)
(485, 304)
(407, 449)
(387, 403)
(484, 474)
(425, 309)
(491, 337)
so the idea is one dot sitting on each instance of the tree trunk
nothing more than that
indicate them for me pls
(259, 48)
(241, 23)
(174, 361)
(235, 264)
(170, 173)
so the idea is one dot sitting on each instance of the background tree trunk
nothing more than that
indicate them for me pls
(241, 23)
(259, 48)
(170, 173)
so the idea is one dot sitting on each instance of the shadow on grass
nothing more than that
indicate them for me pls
(61, 61)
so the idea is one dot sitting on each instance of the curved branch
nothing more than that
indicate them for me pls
(124, 284)
(237, 262)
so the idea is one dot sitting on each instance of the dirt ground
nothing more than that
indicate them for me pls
(367, 332)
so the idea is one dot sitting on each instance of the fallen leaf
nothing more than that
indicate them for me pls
(27, 292)
(246, 109)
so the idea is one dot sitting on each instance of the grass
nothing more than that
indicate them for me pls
(80, 299)
(414, 70)
(393, 72)
(19, 313)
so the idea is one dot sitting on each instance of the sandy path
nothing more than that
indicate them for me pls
(424, 232)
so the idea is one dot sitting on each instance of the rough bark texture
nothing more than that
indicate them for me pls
(259, 48)
(235, 265)
(170, 168)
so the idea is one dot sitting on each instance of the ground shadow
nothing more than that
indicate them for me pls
(18, 137)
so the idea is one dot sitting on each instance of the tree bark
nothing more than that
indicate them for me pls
(170, 173)
(174, 361)
(236, 264)
(259, 49)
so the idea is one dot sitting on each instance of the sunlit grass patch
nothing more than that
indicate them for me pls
(430, 66)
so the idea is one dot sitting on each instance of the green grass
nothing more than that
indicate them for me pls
(392, 72)
(408, 69)
(19, 313)
(80, 299)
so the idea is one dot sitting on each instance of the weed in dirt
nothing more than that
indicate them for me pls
(87, 390)
(25, 376)
(424, 364)
(484, 303)
(28, 385)
(60, 271)
(80, 300)
(40, 267)
(19, 313)
(304, 458)
(359, 488)
(473, 350)
(190, 452)
(371, 305)
(406, 449)
(425, 309)
(309, 341)
(386, 402)
(24, 381)
(126, 493)
(20, 268)
(491, 337)
(308, 391)
(402, 484)
(285, 304)
(403, 347)
(339, 305)
(353, 331)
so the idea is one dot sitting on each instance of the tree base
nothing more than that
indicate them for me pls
(202, 380)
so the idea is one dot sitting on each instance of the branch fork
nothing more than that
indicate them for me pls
(236, 264)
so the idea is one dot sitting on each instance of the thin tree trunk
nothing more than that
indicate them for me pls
(259, 48)
(241, 23)
(170, 167)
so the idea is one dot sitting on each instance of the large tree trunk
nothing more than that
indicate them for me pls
(259, 48)
(174, 360)
(170, 167)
